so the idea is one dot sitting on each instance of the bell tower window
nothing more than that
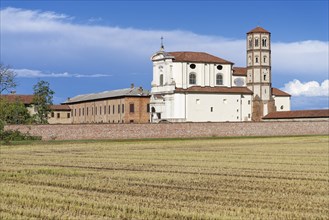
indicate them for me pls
(161, 80)
(264, 43)
(256, 42)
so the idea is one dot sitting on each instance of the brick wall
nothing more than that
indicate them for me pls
(179, 130)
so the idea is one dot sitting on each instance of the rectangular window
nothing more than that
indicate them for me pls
(68, 115)
(52, 114)
(87, 110)
(92, 111)
(131, 121)
(118, 109)
(75, 112)
(148, 108)
(109, 109)
(248, 102)
(264, 77)
(113, 110)
(95, 110)
(58, 115)
(211, 109)
(100, 110)
(79, 111)
(123, 108)
(104, 110)
(83, 111)
(248, 115)
(132, 108)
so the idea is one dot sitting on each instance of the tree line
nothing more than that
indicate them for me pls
(16, 112)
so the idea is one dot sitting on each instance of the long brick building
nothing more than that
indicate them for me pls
(129, 105)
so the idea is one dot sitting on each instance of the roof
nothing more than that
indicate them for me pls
(60, 108)
(197, 57)
(25, 99)
(129, 92)
(278, 92)
(239, 71)
(217, 89)
(298, 114)
(258, 30)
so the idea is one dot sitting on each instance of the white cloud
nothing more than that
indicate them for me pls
(305, 57)
(26, 73)
(37, 38)
(312, 88)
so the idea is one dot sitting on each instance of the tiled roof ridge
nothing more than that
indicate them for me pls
(258, 29)
(201, 57)
(315, 113)
(240, 71)
(26, 99)
(136, 91)
(278, 92)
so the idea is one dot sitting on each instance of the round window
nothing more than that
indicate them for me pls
(219, 67)
(192, 66)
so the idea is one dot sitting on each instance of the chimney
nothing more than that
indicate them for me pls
(140, 89)
(132, 86)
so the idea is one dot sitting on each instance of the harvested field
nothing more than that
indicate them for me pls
(238, 178)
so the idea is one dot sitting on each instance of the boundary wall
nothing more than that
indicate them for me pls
(174, 130)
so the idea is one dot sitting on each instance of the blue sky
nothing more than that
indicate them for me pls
(92, 46)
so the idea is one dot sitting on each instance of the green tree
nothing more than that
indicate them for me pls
(43, 98)
(7, 78)
(14, 112)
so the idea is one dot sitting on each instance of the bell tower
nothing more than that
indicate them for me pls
(259, 72)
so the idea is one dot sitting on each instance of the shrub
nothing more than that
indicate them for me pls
(15, 135)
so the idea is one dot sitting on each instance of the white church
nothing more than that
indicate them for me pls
(200, 87)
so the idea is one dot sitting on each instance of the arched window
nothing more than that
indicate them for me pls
(265, 59)
(264, 43)
(256, 59)
(219, 79)
(192, 78)
(256, 42)
(161, 79)
(250, 43)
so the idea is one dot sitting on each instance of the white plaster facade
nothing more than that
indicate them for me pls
(282, 103)
(199, 87)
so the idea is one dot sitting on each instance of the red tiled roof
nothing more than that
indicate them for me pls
(199, 89)
(26, 99)
(239, 71)
(298, 114)
(258, 30)
(278, 92)
(197, 57)
(60, 108)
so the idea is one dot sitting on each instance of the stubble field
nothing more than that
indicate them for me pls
(239, 178)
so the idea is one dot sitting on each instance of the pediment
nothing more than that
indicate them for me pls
(161, 55)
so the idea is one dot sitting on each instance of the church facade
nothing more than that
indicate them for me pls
(200, 87)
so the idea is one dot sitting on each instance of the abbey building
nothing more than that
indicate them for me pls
(200, 87)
